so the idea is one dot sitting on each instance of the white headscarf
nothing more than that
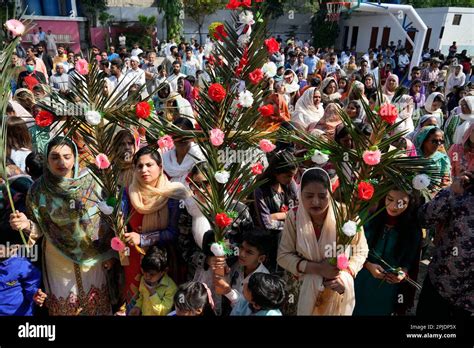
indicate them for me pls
(305, 110)
(468, 119)
(429, 107)
(314, 250)
(178, 171)
(294, 85)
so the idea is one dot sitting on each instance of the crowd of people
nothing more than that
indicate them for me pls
(280, 267)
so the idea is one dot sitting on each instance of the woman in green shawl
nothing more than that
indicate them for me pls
(61, 205)
(429, 142)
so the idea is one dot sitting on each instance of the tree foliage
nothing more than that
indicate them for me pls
(173, 17)
(197, 10)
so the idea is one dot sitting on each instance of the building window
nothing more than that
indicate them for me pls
(441, 33)
(457, 19)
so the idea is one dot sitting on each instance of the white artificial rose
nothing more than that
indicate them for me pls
(269, 69)
(349, 228)
(246, 17)
(105, 208)
(217, 249)
(246, 99)
(93, 117)
(421, 182)
(222, 176)
(243, 39)
(319, 157)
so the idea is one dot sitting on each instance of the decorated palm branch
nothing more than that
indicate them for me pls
(228, 112)
(14, 29)
(369, 170)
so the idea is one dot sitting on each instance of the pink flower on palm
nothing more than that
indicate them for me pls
(15, 26)
(102, 161)
(82, 67)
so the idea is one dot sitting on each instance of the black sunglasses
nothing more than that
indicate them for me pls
(437, 142)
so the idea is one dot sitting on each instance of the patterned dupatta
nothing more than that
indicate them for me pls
(65, 211)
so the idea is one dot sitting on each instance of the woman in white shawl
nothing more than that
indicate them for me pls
(456, 125)
(390, 86)
(292, 87)
(329, 90)
(309, 108)
(433, 106)
(405, 106)
(178, 162)
(307, 243)
(172, 105)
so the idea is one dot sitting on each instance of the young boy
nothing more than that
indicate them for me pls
(19, 283)
(252, 254)
(263, 296)
(156, 291)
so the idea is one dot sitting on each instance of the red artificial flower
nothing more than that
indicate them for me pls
(238, 71)
(142, 131)
(235, 185)
(266, 110)
(197, 126)
(284, 209)
(222, 220)
(365, 190)
(211, 60)
(44, 118)
(216, 92)
(220, 32)
(195, 93)
(235, 4)
(256, 76)
(388, 113)
(272, 45)
(257, 168)
(143, 110)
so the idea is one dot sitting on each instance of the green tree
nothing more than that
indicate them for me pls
(173, 11)
(149, 25)
(197, 10)
(91, 9)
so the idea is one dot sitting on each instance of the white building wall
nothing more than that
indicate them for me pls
(434, 18)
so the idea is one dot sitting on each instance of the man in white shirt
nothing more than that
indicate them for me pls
(122, 40)
(300, 66)
(403, 62)
(173, 78)
(332, 66)
(190, 63)
(35, 38)
(136, 74)
(136, 51)
(151, 73)
(60, 80)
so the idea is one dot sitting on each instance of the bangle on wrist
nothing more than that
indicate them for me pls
(298, 267)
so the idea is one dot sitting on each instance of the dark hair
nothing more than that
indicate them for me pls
(117, 62)
(280, 163)
(191, 79)
(29, 59)
(183, 123)
(192, 296)
(268, 290)
(156, 259)
(34, 164)
(147, 150)
(63, 142)
(315, 175)
(176, 62)
(258, 238)
(18, 135)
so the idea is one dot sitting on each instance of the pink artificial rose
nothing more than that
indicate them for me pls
(15, 26)
(117, 244)
(166, 143)
(82, 67)
(342, 262)
(266, 145)
(217, 137)
(372, 158)
(102, 161)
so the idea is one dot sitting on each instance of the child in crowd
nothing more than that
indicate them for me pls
(19, 283)
(157, 289)
(193, 299)
(252, 254)
(263, 296)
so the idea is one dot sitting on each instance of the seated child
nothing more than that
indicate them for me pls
(19, 284)
(252, 253)
(157, 289)
(264, 294)
(193, 299)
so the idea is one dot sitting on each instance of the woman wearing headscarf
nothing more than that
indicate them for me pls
(329, 90)
(186, 90)
(330, 120)
(280, 114)
(292, 86)
(172, 105)
(433, 106)
(309, 108)
(357, 93)
(405, 113)
(425, 120)
(456, 125)
(370, 86)
(125, 144)
(62, 206)
(319, 287)
(462, 154)
(390, 86)
(151, 202)
(428, 144)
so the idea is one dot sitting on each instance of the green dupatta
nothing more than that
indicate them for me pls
(65, 211)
